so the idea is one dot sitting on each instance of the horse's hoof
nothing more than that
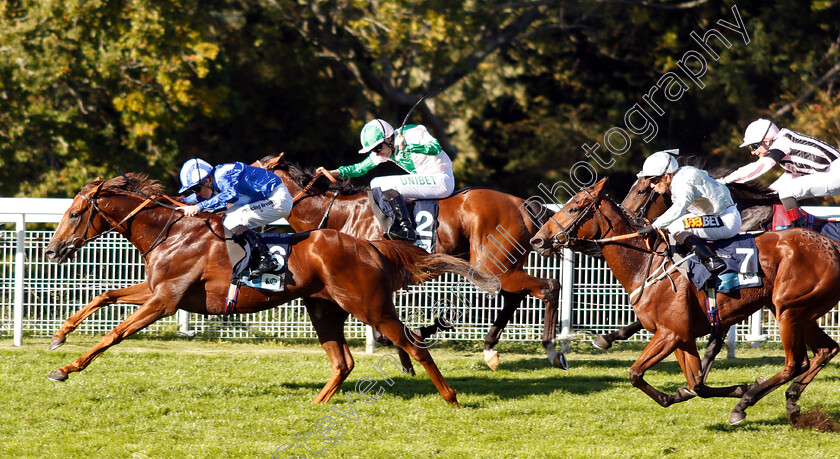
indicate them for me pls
(560, 362)
(760, 380)
(57, 376)
(685, 393)
(556, 358)
(56, 342)
(492, 359)
(736, 417)
(601, 343)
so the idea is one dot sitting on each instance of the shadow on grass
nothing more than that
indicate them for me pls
(502, 388)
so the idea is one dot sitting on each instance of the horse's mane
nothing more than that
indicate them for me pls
(302, 176)
(140, 185)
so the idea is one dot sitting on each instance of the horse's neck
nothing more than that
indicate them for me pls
(308, 213)
(145, 228)
(628, 258)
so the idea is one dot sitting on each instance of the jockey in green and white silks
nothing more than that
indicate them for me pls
(418, 153)
(429, 167)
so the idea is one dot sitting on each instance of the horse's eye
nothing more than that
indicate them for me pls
(574, 210)
(74, 215)
(642, 192)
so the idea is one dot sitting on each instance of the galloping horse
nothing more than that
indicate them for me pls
(755, 202)
(489, 228)
(801, 282)
(187, 267)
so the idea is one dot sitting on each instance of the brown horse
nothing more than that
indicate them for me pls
(755, 202)
(489, 228)
(187, 267)
(801, 282)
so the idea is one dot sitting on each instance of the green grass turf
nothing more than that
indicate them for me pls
(178, 398)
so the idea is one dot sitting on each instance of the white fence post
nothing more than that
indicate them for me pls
(20, 268)
(566, 299)
(755, 335)
(183, 322)
(370, 343)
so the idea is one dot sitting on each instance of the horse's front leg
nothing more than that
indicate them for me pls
(154, 309)
(661, 345)
(136, 294)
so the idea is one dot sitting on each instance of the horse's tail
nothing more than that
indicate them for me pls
(417, 266)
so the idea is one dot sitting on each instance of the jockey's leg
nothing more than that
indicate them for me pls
(267, 263)
(403, 227)
(709, 259)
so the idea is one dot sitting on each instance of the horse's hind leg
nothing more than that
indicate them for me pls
(136, 294)
(605, 341)
(150, 312)
(328, 319)
(397, 332)
(824, 349)
(796, 363)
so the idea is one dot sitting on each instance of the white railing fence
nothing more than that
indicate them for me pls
(36, 296)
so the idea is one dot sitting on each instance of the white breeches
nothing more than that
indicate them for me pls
(418, 186)
(259, 213)
(723, 226)
(814, 185)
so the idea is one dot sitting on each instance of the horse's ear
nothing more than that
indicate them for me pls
(598, 187)
(272, 163)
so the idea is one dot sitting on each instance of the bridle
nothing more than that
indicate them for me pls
(113, 223)
(573, 226)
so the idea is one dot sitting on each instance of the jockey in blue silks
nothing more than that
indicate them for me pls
(253, 196)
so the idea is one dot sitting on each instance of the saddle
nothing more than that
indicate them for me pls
(280, 247)
(424, 214)
(739, 253)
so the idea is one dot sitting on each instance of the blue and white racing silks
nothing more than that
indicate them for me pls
(238, 184)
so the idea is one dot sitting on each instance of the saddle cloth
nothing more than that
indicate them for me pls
(424, 214)
(739, 253)
(279, 245)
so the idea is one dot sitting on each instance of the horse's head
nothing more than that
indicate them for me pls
(81, 222)
(573, 222)
(644, 202)
(95, 211)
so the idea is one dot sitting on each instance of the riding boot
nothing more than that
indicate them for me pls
(267, 263)
(794, 213)
(709, 259)
(403, 227)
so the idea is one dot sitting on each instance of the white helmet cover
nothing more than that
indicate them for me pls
(660, 163)
(193, 172)
(760, 130)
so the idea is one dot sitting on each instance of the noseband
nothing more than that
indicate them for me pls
(575, 223)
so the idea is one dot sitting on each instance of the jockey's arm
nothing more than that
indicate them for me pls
(355, 170)
(682, 197)
(754, 169)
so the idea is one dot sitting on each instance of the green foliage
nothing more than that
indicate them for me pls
(86, 86)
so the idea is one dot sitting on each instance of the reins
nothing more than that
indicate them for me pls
(318, 172)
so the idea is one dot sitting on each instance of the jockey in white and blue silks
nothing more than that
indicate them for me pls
(812, 167)
(253, 197)
(702, 207)
(429, 169)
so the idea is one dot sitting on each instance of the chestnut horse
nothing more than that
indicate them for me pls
(187, 267)
(755, 202)
(801, 282)
(489, 228)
